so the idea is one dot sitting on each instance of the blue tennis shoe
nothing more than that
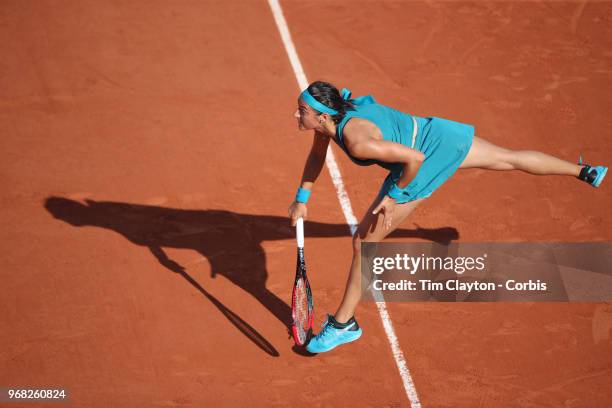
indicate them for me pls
(593, 175)
(334, 334)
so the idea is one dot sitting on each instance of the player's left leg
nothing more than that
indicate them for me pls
(370, 229)
(343, 328)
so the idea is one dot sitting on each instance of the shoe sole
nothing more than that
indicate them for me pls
(333, 347)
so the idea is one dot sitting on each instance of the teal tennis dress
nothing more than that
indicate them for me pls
(445, 143)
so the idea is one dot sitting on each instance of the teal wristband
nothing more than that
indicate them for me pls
(396, 192)
(302, 195)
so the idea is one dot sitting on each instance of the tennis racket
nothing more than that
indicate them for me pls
(301, 302)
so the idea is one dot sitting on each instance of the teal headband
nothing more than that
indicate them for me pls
(313, 103)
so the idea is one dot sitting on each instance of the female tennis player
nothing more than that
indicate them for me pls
(420, 154)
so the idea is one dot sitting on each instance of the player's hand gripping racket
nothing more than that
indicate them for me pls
(301, 302)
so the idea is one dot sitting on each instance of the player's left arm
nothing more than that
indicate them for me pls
(363, 146)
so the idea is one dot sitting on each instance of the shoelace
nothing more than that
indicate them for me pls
(325, 326)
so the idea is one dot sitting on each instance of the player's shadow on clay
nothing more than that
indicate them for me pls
(231, 242)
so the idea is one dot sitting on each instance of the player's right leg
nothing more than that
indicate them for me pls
(486, 155)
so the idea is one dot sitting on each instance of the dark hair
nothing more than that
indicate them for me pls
(329, 96)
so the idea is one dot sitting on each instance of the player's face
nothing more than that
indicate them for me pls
(307, 118)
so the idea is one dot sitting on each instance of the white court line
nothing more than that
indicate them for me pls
(334, 171)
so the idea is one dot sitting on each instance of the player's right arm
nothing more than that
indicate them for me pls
(312, 169)
(315, 160)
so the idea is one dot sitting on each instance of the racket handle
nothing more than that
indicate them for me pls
(299, 232)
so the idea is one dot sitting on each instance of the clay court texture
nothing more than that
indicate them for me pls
(149, 155)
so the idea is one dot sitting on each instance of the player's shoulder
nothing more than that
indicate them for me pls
(359, 129)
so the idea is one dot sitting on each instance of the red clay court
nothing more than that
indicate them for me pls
(150, 154)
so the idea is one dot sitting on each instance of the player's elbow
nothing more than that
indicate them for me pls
(418, 157)
(416, 160)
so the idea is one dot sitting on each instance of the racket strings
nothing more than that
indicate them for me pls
(302, 309)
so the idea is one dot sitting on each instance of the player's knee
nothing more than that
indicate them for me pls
(358, 240)
(501, 159)
(356, 243)
(369, 249)
(364, 247)
(504, 159)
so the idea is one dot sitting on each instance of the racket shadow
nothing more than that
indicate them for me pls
(236, 320)
(230, 241)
